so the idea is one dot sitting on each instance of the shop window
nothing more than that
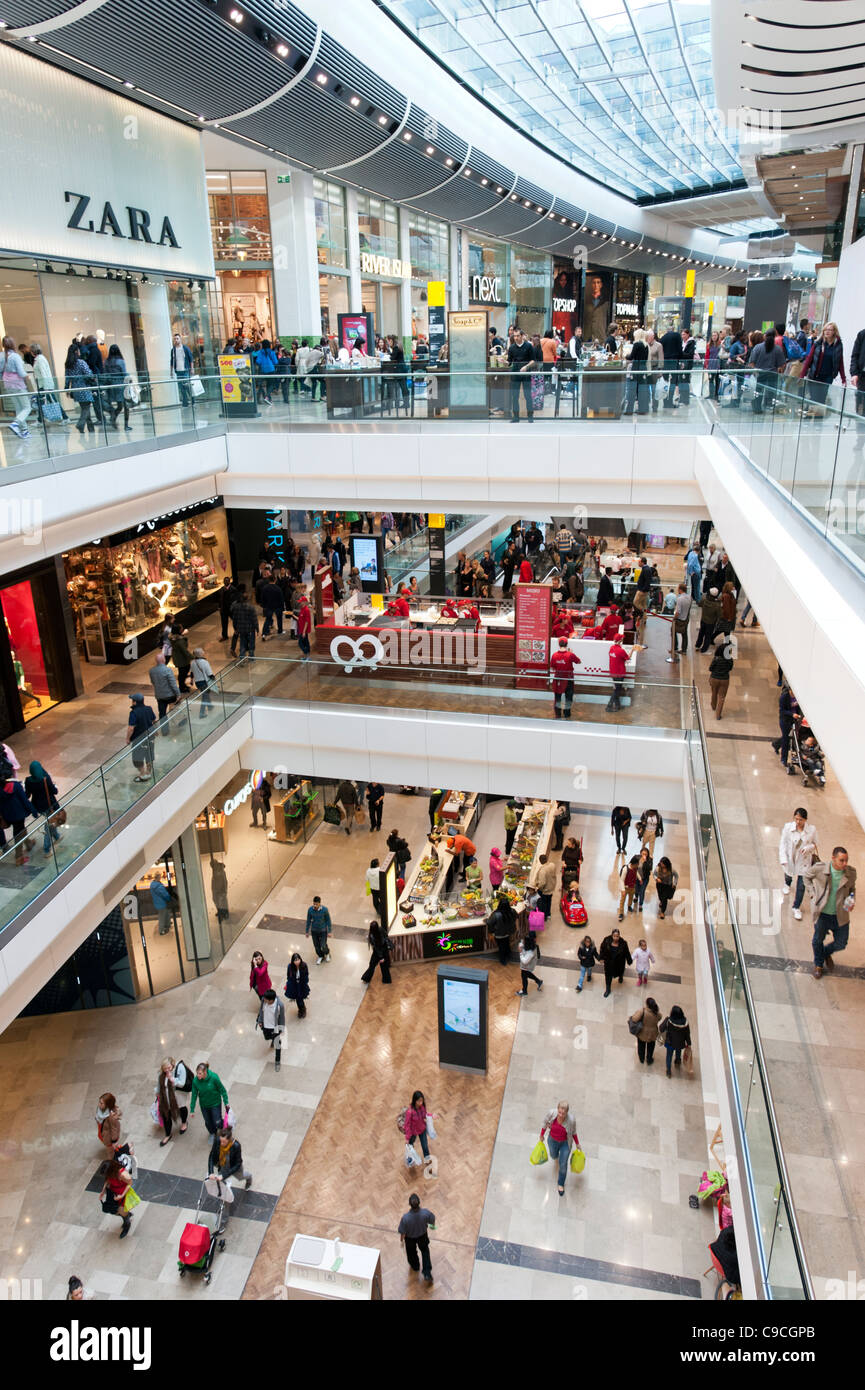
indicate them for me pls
(333, 296)
(34, 689)
(428, 240)
(239, 216)
(378, 226)
(489, 285)
(246, 298)
(330, 223)
(530, 290)
(124, 588)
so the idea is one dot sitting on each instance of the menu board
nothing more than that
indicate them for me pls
(532, 621)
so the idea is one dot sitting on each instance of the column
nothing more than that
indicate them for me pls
(405, 285)
(854, 188)
(354, 291)
(295, 255)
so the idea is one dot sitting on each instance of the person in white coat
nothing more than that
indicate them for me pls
(797, 851)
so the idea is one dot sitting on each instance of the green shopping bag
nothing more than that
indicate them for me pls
(578, 1161)
(539, 1153)
(131, 1200)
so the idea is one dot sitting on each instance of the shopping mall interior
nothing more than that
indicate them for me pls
(433, 639)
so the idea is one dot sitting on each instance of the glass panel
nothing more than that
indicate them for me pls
(330, 223)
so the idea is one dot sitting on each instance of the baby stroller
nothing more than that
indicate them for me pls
(198, 1243)
(806, 755)
(572, 907)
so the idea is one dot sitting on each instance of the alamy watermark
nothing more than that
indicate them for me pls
(402, 647)
(22, 517)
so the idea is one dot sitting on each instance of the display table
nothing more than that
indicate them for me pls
(532, 839)
(314, 1270)
(594, 668)
(459, 810)
(356, 389)
(296, 811)
(603, 391)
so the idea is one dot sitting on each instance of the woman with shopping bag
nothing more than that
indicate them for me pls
(563, 1133)
(417, 1124)
(118, 1197)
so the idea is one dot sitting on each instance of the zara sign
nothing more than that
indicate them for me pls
(138, 221)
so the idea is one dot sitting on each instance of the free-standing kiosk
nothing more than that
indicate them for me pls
(462, 1014)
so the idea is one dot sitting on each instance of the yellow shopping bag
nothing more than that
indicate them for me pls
(539, 1153)
(578, 1161)
(131, 1200)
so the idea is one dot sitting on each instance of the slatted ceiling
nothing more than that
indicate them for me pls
(398, 171)
(204, 67)
(508, 220)
(535, 195)
(487, 167)
(283, 19)
(311, 126)
(338, 63)
(17, 14)
(428, 129)
(457, 201)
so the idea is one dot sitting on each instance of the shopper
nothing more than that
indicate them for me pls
(245, 622)
(400, 850)
(42, 793)
(528, 961)
(620, 824)
(141, 720)
(643, 958)
(413, 1232)
(375, 802)
(165, 688)
(75, 1290)
(789, 712)
(561, 818)
(644, 874)
(681, 614)
(227, 596)
(181, 368)
(207, 1087)
(226, 1155)
(166, 1100)
(16, 397)
(650, 827)
(496, 868)
(521, 359)
(676, 1034)
(271, 1021)
(319, 926)
(108, 1117)
(416, 1123)
(545, 879)
(824, 361)
(116, 1195)
(116, 371)
(833, 897)
(346, 793)
(720, 668)
(501, 924)
(297, 983)
(373, 881)
(563, 1133)
(628, 875)
(588, 958)
(615, 955)
(649, 1018)
(666, 883)
(202, 677)
(797, 850)
(259, 802)
(511, 822)
(259, 976)
(462, 849)
(710, 616)
(180, 653)
(474, 875)
(164, 899)
(272, 600)
(618, 663)
(379, 945)
(80, 383)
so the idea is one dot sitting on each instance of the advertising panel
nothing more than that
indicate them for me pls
(597, 306)
(566, 293)
(468, 338)
(355, 331)
(462, 1007)
(367, 556)
(236, 385)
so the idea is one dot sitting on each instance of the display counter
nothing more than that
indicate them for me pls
(603, 390)
(211, 831)
(425, 638)
(532, 839)
(594, 655)
(356, 389)
(297, 811)
(326, 1269)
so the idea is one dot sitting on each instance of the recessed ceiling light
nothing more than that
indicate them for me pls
(632, 244)
(130, 84)
(201, 118)
(573, 224)
(406, 135)
(484, 182)
(792, 166)
(449, 162)
(526, 203)
(382, 120)
(355, 101)
(564, 220)
(236, 16)
(540, 209)
(282, 50)
(430, 149)
(322, 78)
(500, 190)
(31, 38)
(514, 198)
(467, 173)
(594, 234)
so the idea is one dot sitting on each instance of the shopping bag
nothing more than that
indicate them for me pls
(368, 889)
(539, 1153)
(51, 410)
(430, 1127)
(196, 386)
(688, 1060)
(155, 1115)
(578, 1161)
(131, 1200)
(229, 1119)
(359, 815)
(537, 920)
(332, 814)
(412, 1159)
(131, 392)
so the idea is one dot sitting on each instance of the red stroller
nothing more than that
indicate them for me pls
(198, 1243)
(572, 907)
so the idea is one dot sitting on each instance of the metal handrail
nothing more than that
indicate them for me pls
(752, 1018)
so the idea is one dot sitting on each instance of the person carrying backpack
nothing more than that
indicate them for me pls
(265, 366)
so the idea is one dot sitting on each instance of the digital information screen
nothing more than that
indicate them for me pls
(364, 552)
(462, 1013)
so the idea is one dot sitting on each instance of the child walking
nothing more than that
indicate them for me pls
(642, 959)
(589, 958)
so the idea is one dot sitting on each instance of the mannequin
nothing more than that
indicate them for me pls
(101, 343)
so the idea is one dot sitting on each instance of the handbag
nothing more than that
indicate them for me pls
(131, 392)
(539, 1154)
(196, 386)
(156, 1114)
(578, 1161)
(51, 411)
(635, 1026)
(59, 817)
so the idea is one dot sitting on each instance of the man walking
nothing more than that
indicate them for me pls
(681, 613)
(618, 669)
(833, 897)
(671, 346)
(245, 620)
(271, 1021)
(346, 792)
(546, 878)
(181, 368)
(521, 356)
(413, 1232)
(165, 687)
(375, 798)
(227, 596)
(796, 852)
(318, 925)
(272, 601)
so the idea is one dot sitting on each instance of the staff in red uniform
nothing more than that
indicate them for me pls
(618, 668)
(527, 574)
(470, 611)
(611, 624)
(563, 623)
(449, 609)
(398, 607)
(562, 663)
(304, 626)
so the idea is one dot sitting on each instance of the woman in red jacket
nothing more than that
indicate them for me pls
(527, 574)
(416, 1121)
(259, 979)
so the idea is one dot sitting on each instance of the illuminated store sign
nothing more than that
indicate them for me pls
(564, 306)
(244, 794)
(384, 265)
(630, 310)
(486, 289)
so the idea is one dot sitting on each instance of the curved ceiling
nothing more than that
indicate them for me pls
(262, 71)
(622, 89)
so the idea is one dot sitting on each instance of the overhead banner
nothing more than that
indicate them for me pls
(90, 176)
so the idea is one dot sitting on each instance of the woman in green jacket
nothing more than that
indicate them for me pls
(209, 1089)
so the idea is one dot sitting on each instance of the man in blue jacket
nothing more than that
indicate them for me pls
(318, 924)
(181, 367)
(694, 571)
(265, 366)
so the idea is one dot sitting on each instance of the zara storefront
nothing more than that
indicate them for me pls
(104, 225)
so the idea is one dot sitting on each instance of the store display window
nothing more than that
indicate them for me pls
(26, 613)
(530, 290)
(124, 587)
(377, 225)
(330, 223)
(489, 285)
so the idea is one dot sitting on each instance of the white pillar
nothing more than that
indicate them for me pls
(354, 291)
(405, 286)
(295, 254)
(460, 269)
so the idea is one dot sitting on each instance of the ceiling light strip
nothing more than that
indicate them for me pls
(280, 92)
(376, 149)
